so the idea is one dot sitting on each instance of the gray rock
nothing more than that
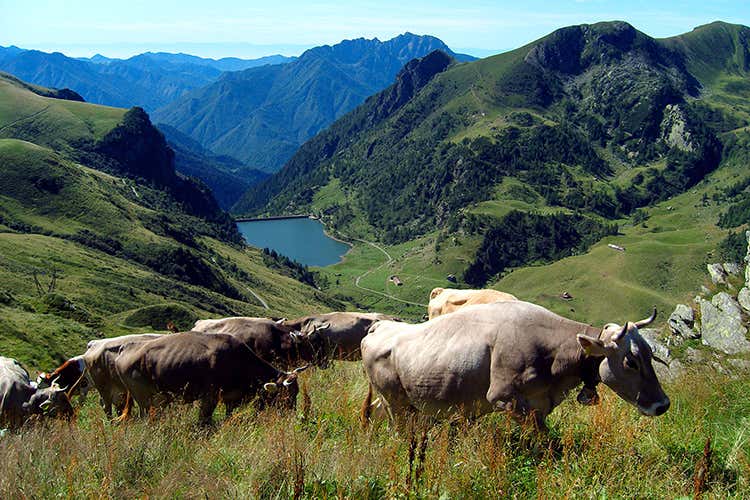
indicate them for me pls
(718, 275)
(682, 321)
(744, 299)
(694, 356)
(732, 268)
(675, 130)
(740, 364)
(727, 305)
(705, 291)
(721, 325)
(747, 260)
(651, 335)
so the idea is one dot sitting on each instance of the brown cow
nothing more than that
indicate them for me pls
(206, 368)
(341, 332)
(447, 300)
(273, 341)
(512, 356)
(95, 368)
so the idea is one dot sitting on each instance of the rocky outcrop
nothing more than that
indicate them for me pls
(717, 273)
(682, 322)
(721, 325)
(675, 131)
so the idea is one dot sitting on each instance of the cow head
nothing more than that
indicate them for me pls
(627, 365)
(51, 401)
(283, 392)
(312, 345)
(70, 374)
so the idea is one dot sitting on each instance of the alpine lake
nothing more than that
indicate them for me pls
(301, 238)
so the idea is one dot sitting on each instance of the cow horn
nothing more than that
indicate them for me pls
(647, 321)
(657, 358)
(288, 382)
(301, 369)
(620, 334)
(271, 387)
(280, 321)
(46, 405)
(323, 326)
(296, 336)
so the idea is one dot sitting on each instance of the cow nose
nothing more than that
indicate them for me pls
(662, 408)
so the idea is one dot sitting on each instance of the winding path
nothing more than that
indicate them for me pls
(388, 260)
(262, 302)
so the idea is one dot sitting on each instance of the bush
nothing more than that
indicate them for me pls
(157, 317)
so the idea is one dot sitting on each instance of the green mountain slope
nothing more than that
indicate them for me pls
(99, 235)
(262, 115)
(592, 121)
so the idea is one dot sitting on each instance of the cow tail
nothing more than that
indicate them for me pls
(126, 410)
(366, 407)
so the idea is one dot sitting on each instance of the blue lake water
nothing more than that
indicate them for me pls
(300, 239)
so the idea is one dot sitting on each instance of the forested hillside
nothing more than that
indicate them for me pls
(597, 120)
(99, 234)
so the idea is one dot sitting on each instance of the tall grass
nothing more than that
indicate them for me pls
(323, 452)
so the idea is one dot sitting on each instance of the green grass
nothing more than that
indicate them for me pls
(606, 451)
(109, 242)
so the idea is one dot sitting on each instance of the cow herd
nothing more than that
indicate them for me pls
(480, 351)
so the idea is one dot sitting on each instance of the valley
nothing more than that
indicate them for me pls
(596, 172)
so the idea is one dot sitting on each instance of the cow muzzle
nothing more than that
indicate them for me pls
(656, 409)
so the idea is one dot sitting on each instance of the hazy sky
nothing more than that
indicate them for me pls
(250, 29)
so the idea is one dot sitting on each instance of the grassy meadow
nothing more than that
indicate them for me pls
(321, 450)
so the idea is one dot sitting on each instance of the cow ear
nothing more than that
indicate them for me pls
(271, 387)
(591, 346)
(435, 292)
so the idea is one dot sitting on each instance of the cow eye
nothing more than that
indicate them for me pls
(631, 364)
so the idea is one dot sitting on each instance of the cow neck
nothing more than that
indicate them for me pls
(590, 364)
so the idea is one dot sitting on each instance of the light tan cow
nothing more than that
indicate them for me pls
(447, 300)
(513, 356)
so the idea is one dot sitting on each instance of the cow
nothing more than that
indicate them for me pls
(341, 332)
(95, 368)
(273, 341)
(513, 356)
(197, 367)
(447, 300)
(20, 397)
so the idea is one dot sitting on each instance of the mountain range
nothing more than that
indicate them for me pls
(262, 115)
(596, 120)
(148, 80)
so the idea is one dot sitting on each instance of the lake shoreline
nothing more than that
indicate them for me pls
(280, 231)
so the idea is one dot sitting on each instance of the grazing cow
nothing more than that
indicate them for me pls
(20, 397)
(198, 367)
(447, 300)
(271, 340)
(341, 332)
(95, 368)
(512, 356)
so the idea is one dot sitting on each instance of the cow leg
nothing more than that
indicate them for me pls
(208, 405)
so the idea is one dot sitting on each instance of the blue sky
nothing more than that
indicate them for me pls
(251, 29)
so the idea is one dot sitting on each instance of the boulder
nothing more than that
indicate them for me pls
(744, 299)
(718, 275)
(674, 368)
(732, 268)
(747, 260)
(651, 335)
(682, 321)
(721, 325)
